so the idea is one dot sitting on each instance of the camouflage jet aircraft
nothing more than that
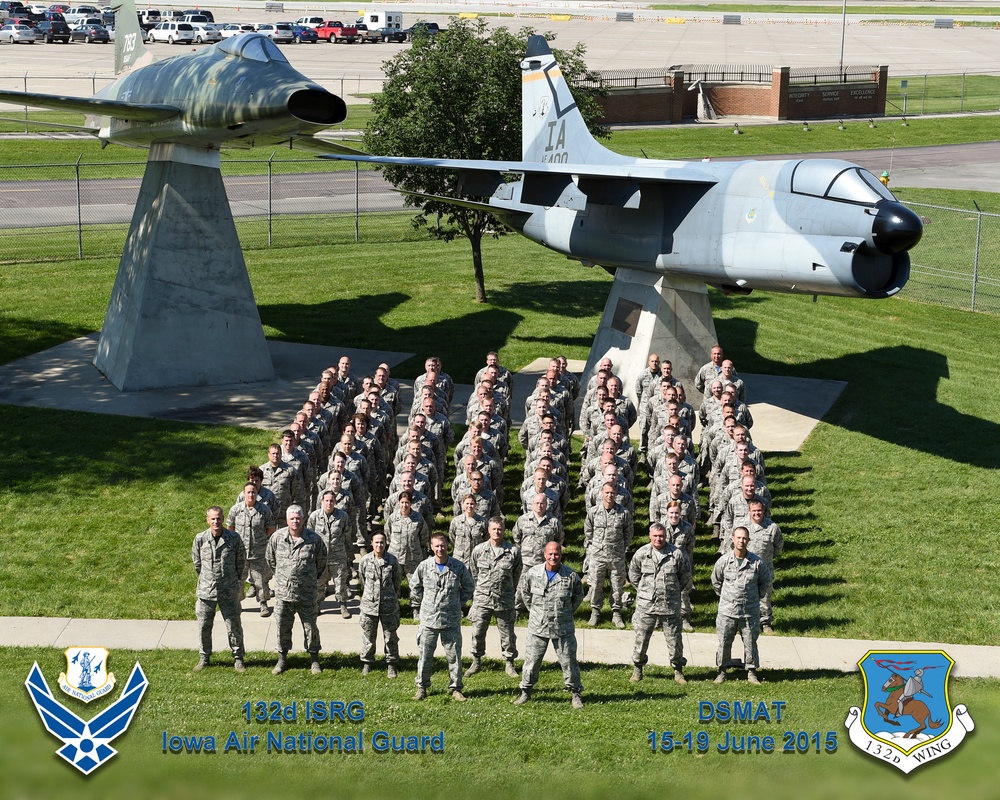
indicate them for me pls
(810, 226)
(240, 92)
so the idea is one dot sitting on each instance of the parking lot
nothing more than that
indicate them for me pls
(80, 68)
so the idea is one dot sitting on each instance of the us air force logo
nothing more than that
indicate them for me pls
(86, 677)
(86, 743)
(907, 719)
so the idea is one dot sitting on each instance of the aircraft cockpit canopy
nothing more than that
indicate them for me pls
(254, 46)
(838, 180)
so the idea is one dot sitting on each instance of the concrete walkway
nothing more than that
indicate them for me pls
(594, 645)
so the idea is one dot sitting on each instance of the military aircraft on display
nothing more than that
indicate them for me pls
(810, 226)
(182, 311)
(240, 92)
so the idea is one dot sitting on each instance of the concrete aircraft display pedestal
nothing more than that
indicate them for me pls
(654, 313)
(182, 311)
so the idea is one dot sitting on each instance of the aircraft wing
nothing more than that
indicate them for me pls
(312, 144)
(665, 172)
(147, 112)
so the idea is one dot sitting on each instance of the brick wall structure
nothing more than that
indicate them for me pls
(672, 102)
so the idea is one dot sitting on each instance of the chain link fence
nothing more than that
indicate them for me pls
(67, 211)
(957, 262)
(64, 211)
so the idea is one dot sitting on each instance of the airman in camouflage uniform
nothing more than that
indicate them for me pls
(658, 571)
(496, 567)
(381, 578)
(297, 556)
(219, 560)
(740, 579)
(766, 541)
(440, 586)
(254, 523)
(467, 530)
(553, 593)
(532, 532)
(607, 533)
(333, 526)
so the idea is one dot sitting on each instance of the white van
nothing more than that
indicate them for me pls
(382, 19)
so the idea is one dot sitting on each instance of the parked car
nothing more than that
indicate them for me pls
(78, 14)
(277, 31)
(90, 33)
(206, 33)
(309, 22)
(337, 31)
(53, 30)
(303, 33)
(17, 34)
(422, 28)
(11, 8)
(211, 17)
(233, 29)
(62, 8)
(22, 21)
(171, 33)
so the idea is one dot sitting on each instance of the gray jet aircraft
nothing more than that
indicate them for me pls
(810, 226)
(241, 92)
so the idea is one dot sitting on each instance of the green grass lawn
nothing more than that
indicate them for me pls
(882, 509)
(491, 748)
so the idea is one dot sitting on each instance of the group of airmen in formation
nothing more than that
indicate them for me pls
(343, 481)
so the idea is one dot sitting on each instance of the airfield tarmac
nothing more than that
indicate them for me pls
(651, 41)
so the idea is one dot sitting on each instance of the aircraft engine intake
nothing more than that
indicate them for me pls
(317, 106)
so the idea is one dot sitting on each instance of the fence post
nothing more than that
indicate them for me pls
(923, 96)
(26, 130)
(79, 211)
(961, 101)
(357, 202)
(975, 261)
(270, 215)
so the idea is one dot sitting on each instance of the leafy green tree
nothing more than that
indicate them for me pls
(458, 95)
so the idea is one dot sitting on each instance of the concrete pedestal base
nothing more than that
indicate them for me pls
(182, 311)
(650, 313)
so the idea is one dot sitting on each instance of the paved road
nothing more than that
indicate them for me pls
(967, 166)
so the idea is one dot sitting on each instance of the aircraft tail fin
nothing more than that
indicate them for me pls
(130, 48)
(552, 128)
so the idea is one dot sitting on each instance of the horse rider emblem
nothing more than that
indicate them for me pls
(907, 719)
(86, 677)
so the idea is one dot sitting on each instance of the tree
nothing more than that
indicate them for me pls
(458, 95)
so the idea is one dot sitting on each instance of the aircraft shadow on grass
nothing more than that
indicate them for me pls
(871, 403)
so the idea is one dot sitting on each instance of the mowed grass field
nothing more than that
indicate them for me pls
(886, 510)
(491, 748)
(887, 513)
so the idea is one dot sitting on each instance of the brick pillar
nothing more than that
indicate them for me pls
(779, 93)
(881, 90)
(677, 97)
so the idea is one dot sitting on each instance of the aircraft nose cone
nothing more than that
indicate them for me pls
(896, 228)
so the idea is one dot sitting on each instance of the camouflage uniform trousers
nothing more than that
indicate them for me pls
(409, 567)
(451, 640)
(644, 624)
(480, 617)
(339, 572)
(284, 615)
(565, 648)
(369, 632)
(205, 612)
(767, 608)
(258, 573)
(727, 627)
(615, 569)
